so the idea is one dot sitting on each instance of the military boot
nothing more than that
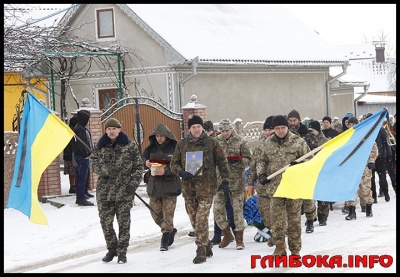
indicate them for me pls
(363, 209)
(239, 240)
(164, 241)
(209, 251)
(201, 255)
(280, 250)
(352, 213)
(310, 226)
(368, 210)
(228, 237)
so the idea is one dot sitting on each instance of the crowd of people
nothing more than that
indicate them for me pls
(217, 170)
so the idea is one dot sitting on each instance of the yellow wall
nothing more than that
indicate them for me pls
(14, 84)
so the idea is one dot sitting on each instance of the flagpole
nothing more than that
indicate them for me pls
(297, 161)
(84, 144)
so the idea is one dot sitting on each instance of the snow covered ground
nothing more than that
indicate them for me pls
(73, 242)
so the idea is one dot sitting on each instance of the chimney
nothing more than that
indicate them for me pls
(379, 51)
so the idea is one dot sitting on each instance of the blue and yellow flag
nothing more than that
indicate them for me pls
(335, 172)
(43, 136)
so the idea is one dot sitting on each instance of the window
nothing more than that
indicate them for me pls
(107, 97)
(105, 23)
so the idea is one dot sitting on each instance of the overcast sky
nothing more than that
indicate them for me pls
(347, 23)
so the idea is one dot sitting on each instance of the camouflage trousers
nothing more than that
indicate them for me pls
(285, 211)
(219, 209)
(323, 210)
(310, 210)
(198, 209)
(165, 209)
(122, 211)
(364, 191)
(264, 207)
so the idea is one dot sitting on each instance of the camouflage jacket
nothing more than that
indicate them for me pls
(235, 145)
(311, 139)
(253, 163)
(374, 154)
(213, 156)
(119, 167)
(277, 153)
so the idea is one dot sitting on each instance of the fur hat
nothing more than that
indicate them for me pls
(353, 120)
(225, 124)
(268, 123)
(315, 125)
(279, 120)
(208, 126)
(327, 118)
(195, 119)
(112, 122)
(294, 114)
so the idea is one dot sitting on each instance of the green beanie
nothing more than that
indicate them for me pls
(112, 122)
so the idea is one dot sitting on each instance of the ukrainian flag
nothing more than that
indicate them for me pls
(335, 172)
(43, 136)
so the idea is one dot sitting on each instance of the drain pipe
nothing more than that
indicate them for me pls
(194, 64)
(366, 87)
(328, 87)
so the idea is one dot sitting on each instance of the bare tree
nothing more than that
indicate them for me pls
(53, 51)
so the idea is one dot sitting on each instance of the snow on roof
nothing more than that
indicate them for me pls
(237, 31)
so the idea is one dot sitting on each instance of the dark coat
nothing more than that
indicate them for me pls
(84, 134)
(168, 184)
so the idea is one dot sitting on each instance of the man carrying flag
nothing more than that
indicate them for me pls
(281, 149)
(42, 137)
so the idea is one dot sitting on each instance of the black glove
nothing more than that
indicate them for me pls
(185, 175)
(371, 165)
(262, 179)
(225, 187)
(233, 161)
(294, 163)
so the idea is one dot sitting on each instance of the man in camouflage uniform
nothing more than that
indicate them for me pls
(364, 191)
(279, 150)
(209, 129)
(237, 151)
(315, 138)
(264, 199)
(297, 127)
(117, 161)
(199, 190)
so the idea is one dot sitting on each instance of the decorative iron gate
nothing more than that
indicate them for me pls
(140, 115)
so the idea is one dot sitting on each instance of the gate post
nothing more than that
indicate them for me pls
(192, 108)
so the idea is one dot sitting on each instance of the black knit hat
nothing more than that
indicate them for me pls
(327, 118)
(208, 126)
(268, 123)
(279, 120)
(315, 125)
(195, 119)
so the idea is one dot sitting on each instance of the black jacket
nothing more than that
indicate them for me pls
(84, 134)
(169, 184)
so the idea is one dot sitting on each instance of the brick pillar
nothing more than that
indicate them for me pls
(192, 108)
(50, 182)
(95, 127)
(10, 150)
